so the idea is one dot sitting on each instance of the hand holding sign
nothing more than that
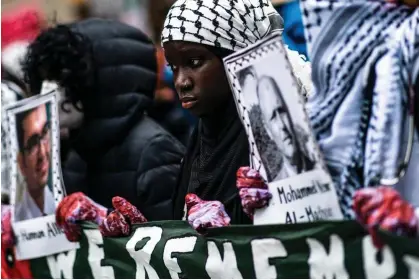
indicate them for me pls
(205, 214)
(384, 208)
(253, 190)
(7, 236)
(119, 221)
(75, 208)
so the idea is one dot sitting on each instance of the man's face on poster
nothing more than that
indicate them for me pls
(276, 116)
(34, 160)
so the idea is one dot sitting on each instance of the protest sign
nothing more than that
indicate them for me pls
(282, 145)
(33, 152)
(172, 249)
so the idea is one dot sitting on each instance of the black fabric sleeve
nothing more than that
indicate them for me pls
(73, 172)
(157, 175)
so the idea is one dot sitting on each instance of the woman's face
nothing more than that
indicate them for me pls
(199, 77)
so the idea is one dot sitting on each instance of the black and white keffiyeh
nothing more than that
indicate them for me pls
(365, 59)
(228, 24)
(10, 93)
(232, 25)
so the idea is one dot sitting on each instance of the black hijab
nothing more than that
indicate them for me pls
(217, 149)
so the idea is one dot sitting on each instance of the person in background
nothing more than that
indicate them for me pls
(355, 160)
(365, 105)
(11, 91)
(207, 193)
(19, 28)
(106, 70)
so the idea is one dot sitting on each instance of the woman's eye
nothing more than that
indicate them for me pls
(196, 62)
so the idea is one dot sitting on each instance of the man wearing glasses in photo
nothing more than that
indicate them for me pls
(33, 133)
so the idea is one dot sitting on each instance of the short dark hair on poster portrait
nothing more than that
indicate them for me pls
(20, 132)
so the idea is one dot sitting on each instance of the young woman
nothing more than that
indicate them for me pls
(196, 36)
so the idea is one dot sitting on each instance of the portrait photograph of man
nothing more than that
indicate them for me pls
(34, 198)
(281, 141)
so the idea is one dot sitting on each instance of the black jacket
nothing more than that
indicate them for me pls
(119, 150)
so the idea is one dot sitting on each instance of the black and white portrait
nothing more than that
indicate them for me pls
(35, 198)
(282, 143)
(270, 100)
(35, 176)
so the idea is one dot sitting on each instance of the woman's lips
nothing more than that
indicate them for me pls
(188, 101)
(189, 104)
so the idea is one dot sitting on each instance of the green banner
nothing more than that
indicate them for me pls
(172, 249)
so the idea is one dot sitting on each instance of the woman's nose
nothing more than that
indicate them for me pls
(183, 83)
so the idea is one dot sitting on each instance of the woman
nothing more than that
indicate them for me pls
(196, 37)
(218, 146)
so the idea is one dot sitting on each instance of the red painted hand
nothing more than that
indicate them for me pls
(205, 214)
(253, 190)
(383, 208)
(120, 220)
(7, 236)
(75, 208)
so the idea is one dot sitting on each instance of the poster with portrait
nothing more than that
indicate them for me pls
(35, 176)
(271, 106)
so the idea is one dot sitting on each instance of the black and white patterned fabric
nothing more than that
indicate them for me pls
(228, 24)
(10, 93)
(365, 61)
(232, 25)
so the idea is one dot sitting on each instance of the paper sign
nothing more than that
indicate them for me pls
(35, 176)
(282, 146)
(308, 197)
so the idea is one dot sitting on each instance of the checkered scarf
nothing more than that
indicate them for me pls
(228, 24)
(365, 56)
(231, 25)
